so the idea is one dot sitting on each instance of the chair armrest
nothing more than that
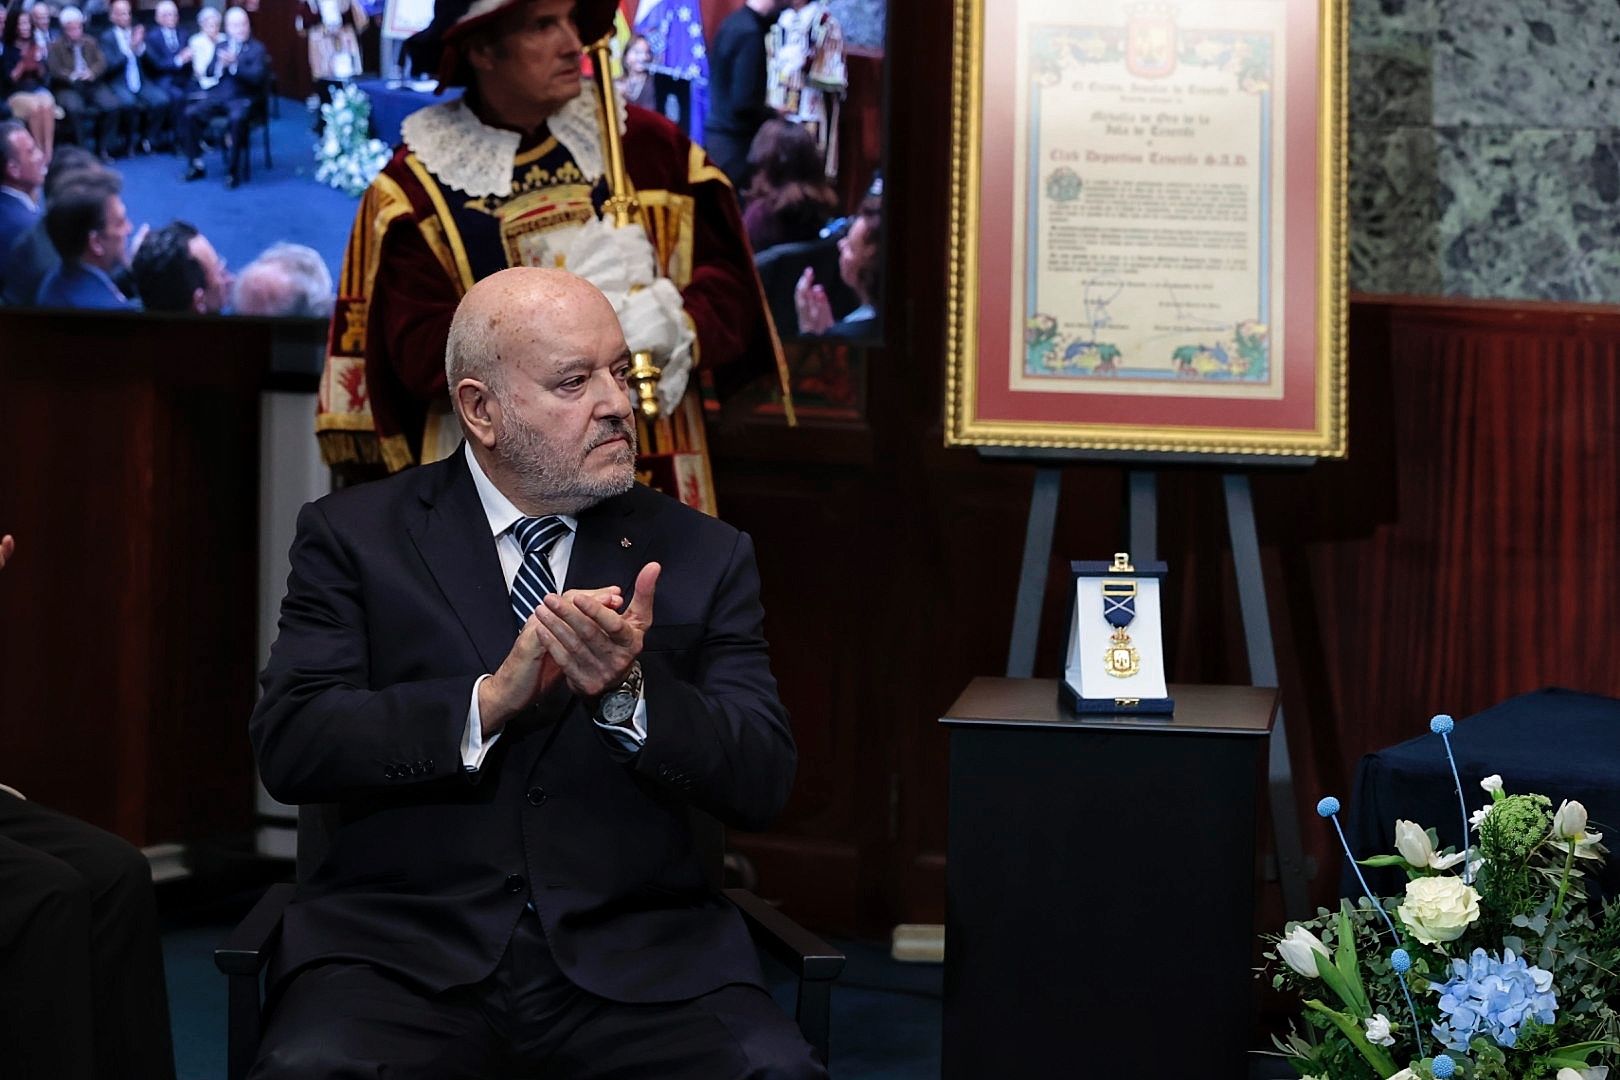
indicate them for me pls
(248, 947)
(806, 955)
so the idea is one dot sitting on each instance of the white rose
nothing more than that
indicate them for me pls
(1404, 1074)
(1413, 844)
(1300, 949)
(1492, 783)
(1599, 1072)
(1570, 821)
(1439, 909)
(1378, 1030)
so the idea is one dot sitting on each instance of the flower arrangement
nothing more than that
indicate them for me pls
(1494, 964)
(347, 157)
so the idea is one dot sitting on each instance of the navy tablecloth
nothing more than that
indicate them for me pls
(390, 107)
(1558, 743)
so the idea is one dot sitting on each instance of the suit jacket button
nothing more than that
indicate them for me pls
(514, 883)
(537, 795)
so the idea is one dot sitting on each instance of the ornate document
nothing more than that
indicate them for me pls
(1147, 235)
(1153, 163)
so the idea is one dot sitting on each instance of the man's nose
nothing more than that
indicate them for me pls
(613, 399)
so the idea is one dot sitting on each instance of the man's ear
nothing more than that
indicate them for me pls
(479, 411)
(480, 54)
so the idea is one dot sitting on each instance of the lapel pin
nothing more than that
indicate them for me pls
(624, 541)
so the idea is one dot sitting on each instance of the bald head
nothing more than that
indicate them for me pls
(537, 367)
(523, 314)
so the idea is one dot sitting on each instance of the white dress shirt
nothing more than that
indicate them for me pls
(502, 516)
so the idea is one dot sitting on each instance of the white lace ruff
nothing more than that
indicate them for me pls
(467, 154)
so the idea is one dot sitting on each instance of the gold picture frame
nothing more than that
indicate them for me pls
(1017, 377)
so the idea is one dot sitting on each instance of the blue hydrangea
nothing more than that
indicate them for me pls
(1491, 997)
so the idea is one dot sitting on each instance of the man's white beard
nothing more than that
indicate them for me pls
(547, 476)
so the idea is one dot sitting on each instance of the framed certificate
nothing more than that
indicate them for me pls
(1147, 226)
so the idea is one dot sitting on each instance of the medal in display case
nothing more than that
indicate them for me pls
(1115, 659)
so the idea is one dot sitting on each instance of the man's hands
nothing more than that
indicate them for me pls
(528, 672)
(576, 639)
(7, 546)
(591, 644)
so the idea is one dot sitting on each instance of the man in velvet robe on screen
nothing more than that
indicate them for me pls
(513, 174)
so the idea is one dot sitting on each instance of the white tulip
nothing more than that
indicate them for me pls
(1378, 1030)
(1492, 783)
(1413, 844)
(1299, 951)
(1570, 821)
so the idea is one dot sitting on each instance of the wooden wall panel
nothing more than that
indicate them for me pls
(127, 621)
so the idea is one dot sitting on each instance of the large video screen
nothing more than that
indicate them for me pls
(211, 159)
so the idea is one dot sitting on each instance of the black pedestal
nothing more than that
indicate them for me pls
(1100, 884)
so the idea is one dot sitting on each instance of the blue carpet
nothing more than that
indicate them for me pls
(885, 1022)
(284, 203)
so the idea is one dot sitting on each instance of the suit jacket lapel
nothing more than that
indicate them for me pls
(453, 536)
(601, 557)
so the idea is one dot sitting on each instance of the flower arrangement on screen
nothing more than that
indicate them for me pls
(1495, 964)
(347, 157)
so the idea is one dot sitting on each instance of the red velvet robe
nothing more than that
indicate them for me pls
(418, 245)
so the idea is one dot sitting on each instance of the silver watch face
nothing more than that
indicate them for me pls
(618, 707)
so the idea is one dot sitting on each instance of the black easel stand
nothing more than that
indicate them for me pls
(1142, 478)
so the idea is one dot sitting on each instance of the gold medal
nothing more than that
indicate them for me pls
(1122, 660)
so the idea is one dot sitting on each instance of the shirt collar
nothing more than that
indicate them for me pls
(22, 197)
(498, 508)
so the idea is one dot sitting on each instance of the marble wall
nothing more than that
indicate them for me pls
(1485, 148)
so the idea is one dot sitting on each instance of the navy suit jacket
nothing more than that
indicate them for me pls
(252, 71)
(72, 286)
(395, 605)
(158, 61)
(15, 220)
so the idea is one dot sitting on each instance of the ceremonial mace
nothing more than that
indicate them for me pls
(624, 207)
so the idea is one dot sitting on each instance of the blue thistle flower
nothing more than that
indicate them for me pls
(1401, 961)
(1328, 806)
(1443, 1068)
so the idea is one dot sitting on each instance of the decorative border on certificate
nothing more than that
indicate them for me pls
(1147, 226)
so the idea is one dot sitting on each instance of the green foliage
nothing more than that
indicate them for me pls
(1521, 868)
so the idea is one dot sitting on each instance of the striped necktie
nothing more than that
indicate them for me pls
(536, 536)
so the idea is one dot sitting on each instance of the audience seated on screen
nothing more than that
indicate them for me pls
(177, 269)
(147, 105)
(242, 66)
(789, 198)
(31, 256)
(167, 60)
(23, 79)
(22, 171)
(76, 65)
(203, 44)
(90, 229)
(859, 265)
(287, 280)
(42, 17)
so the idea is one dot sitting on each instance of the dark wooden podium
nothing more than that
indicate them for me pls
(1100, 884)
(130, 449)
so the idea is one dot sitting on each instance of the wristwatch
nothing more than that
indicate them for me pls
(619, 704)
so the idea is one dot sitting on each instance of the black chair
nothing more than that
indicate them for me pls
(246, 952)
(779, 270)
